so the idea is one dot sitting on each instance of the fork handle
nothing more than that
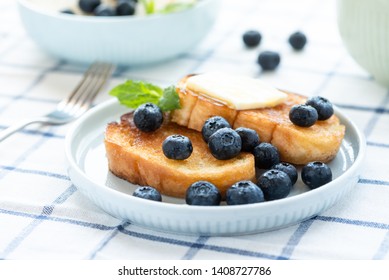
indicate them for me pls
(18, 126)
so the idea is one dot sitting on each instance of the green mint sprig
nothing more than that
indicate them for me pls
(135, 93)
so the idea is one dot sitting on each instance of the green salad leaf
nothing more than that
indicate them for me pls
(176, 7)
(150, 6)
(135, 93)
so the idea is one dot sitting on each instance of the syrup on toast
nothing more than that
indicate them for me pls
(137, 157)
(297, 145)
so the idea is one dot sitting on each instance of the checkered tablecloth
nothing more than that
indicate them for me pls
(44, 216)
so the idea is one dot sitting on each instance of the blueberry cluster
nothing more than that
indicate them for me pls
(269, 60)
(100, 8)
(315, 108)
(225, 143)
(275, 183)
(148, 117)
(204, 193)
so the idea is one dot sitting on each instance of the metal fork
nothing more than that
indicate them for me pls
(73, 106)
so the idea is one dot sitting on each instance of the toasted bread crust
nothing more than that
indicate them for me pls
(297, 145)
(138, 158)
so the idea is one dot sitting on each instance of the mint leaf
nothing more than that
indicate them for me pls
(135, 93)
(169, 100)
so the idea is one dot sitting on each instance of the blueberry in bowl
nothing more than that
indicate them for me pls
(203, 193)
(104, 10)
(125, 7)
(244, 192)
(88, 6)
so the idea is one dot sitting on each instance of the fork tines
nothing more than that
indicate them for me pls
(92, 82)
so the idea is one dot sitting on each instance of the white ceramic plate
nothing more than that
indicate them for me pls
(89, 172)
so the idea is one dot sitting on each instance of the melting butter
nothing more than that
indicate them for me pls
(237, 92)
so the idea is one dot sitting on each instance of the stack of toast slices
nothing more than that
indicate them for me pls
(137, 156)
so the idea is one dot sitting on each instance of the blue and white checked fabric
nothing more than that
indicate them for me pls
(44, 216)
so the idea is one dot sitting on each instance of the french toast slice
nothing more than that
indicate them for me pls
(137, 157)
(297, 145)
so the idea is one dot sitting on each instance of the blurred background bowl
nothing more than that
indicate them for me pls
(364, 29)
(123, 40)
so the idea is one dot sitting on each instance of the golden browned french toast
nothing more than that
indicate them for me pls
(297, 145)
(137, 157)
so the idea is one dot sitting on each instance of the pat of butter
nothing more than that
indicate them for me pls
(237, 92)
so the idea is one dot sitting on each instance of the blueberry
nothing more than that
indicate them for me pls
(316, 174)
(288, 169)
(225, 143)
(67, 11)
(323, 107)
(250, 138)
(104, 10)
(297, 40)
(88, 6)
(244, 192)
(269, 60)
(148, 117)
(203, 193)
(252, 38)
(125, 7)
(147, 192)
(303, 115)
(212, 125)
(177, 147)
(266, 155)
(275, 184)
